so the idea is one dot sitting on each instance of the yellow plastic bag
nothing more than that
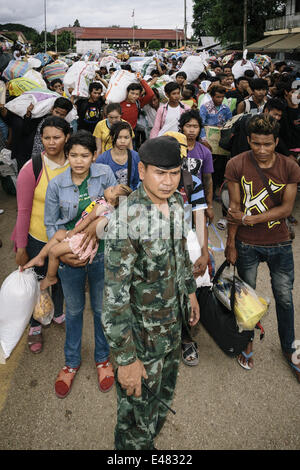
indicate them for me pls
(249, 308)
(18, 86)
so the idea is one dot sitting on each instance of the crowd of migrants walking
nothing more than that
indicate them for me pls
(117, 161)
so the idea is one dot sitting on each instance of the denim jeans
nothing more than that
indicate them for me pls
(73, 283)
(33, 248)
(279, 259)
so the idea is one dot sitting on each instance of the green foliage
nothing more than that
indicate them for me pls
(154, 45)
(30, 34)
(65, 42)
(76, 23)
(223, 19)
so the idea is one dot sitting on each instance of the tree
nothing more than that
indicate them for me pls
(223, 19)
(154, 45)
(76, 24)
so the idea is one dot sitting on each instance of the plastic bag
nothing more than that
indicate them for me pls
(43, 101)
(240, 67)
(117, 89)
(193, 67)
(55, 70)
(195, 252)
(18, 296)
(249, 308)
(36, 77)
(15, 69)
(44, 310)
(18, 86)
(78, 77)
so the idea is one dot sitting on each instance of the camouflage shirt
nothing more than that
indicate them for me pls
(148, 277)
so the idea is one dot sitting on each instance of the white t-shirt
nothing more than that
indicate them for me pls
(171, 122)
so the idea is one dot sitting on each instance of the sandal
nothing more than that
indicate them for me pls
(295, 368)
(106, 377)
(35, 340)
(247, 357)
(189, 354)
(222, 224)
(64, 381)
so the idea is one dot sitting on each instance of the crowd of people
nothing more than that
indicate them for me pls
(154, 150)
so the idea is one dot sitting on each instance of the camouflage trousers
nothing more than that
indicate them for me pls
(139, 420)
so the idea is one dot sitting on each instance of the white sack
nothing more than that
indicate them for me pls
(18, 296)
(117, 88)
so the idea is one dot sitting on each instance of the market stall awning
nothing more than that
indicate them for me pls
(264, 44)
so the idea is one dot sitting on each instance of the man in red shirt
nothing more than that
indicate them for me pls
(257, 231)
(135, 101)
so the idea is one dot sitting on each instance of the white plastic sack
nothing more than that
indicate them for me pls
(79, 76)
(195, 252)
(36, 77)
(193, 66)
(240, 67)
(43, 101)
(18, 296)
(117, 89)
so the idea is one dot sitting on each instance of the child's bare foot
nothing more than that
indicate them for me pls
(36, 261)
(47, 282)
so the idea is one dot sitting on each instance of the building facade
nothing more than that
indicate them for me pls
(96, 39)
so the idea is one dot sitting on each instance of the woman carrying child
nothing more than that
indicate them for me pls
(67, 197)
(29, 234)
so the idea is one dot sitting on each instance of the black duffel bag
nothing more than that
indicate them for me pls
(220, 322)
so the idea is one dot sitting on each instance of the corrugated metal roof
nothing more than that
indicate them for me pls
(290, 43)
(264, 43)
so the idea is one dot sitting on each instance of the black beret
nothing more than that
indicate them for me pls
(163, 152)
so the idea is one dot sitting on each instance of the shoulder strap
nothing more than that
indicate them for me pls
(247, 106)
(188, 184)
(129, 167)
(264, 180)
(37, 164)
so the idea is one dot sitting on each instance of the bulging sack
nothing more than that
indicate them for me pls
(18, 296)
(79, 76)
(193, 67)
(42, 100)
(117, 89)
(16, 69)
(55, 70)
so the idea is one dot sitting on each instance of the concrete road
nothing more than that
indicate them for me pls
(218, 404)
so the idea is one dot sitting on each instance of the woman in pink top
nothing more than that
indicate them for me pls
(168, 115)
(30, 232)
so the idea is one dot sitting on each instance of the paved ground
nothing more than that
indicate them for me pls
(219, 405)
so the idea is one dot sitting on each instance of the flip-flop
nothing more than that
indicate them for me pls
(246, 356)
(190, 350)
(295, 368)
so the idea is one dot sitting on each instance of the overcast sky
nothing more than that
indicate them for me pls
(93, 13)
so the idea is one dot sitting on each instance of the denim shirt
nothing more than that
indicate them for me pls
(212, 116)
(62, 197)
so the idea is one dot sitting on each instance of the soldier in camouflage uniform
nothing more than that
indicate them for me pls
(149, 291)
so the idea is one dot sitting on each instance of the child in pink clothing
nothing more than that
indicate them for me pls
(75, 241)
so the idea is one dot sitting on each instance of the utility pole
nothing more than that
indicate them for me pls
(185, 25)
(56, 39)
(245, 25)
(45, 8)
(133, 28)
